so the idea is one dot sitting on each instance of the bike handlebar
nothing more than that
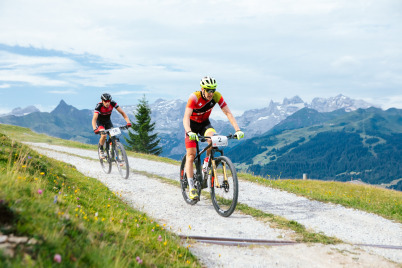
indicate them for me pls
(108, 130)
(204, 138)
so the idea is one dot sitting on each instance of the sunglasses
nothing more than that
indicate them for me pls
(210, 90)
(107, 101)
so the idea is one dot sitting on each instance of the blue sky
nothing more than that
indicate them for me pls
(257, 50)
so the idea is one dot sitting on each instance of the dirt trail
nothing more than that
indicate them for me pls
(164, 203)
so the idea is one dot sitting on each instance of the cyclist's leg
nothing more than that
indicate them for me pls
(190, 155)
(189, 166)
(103, 136)
(208, 130)
(108, 125)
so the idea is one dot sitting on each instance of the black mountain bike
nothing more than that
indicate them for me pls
(220, 176)
(115, 152)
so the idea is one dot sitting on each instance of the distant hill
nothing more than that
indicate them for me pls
(364, 144)
(64, 122)
(67, 122)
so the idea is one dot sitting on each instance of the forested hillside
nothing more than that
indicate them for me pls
(364, 144)
(337, 155)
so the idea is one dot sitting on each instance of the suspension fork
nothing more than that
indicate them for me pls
(215, 177)
(225, 176)
(214, 181)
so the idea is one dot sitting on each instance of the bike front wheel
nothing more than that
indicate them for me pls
(224, 186)
(120, 157)
(105, 162)
(185, 189)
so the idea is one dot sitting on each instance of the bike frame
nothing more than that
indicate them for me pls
(211, 161)
(112, 139)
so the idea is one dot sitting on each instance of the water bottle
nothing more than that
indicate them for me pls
(205, 165)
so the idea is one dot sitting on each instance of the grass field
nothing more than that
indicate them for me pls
(75, 219)
(383, 202)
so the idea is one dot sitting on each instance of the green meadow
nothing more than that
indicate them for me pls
(80, 220)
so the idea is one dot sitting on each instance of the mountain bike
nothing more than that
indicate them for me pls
(114, 152)
(220, 176)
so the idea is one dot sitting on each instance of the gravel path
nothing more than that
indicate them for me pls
(350, 225)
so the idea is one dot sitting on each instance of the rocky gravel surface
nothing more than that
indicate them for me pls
(164, 203)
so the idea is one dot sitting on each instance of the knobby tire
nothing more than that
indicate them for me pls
(185, 189)
(106, 164)
(121, 160)
(224, 198)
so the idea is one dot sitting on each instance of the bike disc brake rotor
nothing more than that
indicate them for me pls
(225, 186)
(197, 185)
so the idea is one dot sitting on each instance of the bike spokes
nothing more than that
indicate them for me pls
(185, 189)
(121, 160)
(224, 190)
(105, 162)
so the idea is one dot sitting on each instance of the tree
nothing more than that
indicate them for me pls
(140, 138)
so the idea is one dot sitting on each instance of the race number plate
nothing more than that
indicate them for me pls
(115, 131)
(218, 141)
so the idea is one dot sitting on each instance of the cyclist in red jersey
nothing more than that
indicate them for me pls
(101, 119)
(196, 121)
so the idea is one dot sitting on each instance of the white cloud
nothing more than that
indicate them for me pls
(345, 62)
(33, 70)
(63, 92)
(394, 101)
(129, 92)
(5, 85)
(45, 64)
(23, 77)
(266, 48)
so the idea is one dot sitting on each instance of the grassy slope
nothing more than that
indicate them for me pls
(384, 202)
(76, 217)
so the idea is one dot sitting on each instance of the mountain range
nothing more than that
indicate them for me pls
(22, 111)
(279, 138)
(365, 144)
(67, 122)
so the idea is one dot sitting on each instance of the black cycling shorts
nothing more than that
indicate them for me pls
(200, 128)
(106, 124)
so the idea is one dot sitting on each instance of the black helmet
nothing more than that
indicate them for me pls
(106, 97)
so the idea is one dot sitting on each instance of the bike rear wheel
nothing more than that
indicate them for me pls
(120, 157)
(185, 189)
(105, 162)
(224, 191)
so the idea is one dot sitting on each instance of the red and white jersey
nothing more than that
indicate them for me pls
(202, 108)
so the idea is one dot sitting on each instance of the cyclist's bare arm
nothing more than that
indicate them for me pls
(94, 119)
(186, 119)
(231, 118)
(120, 110)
